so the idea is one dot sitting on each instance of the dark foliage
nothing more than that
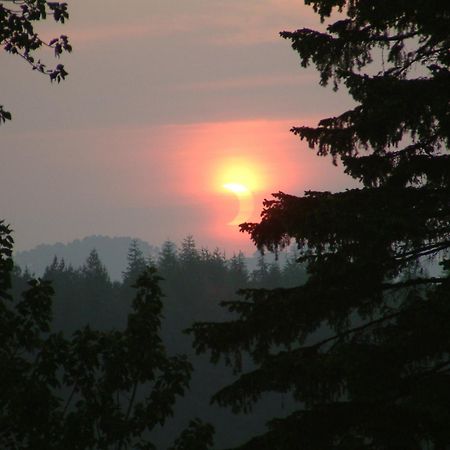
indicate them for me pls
(198, 436)
(364, 344)
(94, 389)
(195, 281)
(19, 37)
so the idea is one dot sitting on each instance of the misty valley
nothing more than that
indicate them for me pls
(194, 281)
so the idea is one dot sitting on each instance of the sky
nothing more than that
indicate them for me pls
(166, 101)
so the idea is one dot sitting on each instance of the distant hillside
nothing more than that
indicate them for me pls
(112, 251)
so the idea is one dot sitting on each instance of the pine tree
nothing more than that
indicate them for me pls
(94, 269)
(189, 254)
(238, 272)
(168, 259)
(136, 264)
(214, 266)
(260, 274)
(95, 290)
(293, 273)
(363, 345)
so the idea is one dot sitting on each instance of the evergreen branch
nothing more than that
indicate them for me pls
(355, 330)
(359, 329)
(399, 71)
(394, 38)
(438, 368)
(424, 251)
(414, 282)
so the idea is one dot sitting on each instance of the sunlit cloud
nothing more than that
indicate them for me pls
(253, 82)
(166, 102)
(107, 33)
(217, 23)
(162, 181)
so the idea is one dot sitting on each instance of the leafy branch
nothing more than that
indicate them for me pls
(18, 36)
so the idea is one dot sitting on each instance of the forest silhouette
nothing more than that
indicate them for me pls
(193, 283)
(352, 334)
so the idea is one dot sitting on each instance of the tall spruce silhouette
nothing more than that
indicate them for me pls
(363, 345)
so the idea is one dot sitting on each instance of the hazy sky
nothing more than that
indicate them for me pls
(166, 101)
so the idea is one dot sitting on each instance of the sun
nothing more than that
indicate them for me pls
(239, 175)
(243, 177)
(237, 188)
(245, 199)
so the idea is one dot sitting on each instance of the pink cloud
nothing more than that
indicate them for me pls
(155, 182)
(222, 23)
(102, 33)
(258, 81)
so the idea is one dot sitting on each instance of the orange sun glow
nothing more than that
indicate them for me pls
(241, 178)
(246, 202)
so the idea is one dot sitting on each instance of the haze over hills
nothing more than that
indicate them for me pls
(111, 250)
(194, 282)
